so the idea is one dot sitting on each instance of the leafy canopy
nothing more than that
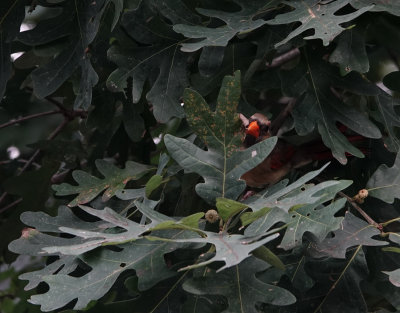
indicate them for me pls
(123, 151)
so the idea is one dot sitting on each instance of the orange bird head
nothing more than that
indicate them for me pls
(253, 129)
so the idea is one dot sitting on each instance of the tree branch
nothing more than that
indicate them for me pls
(26, 118)
(32, 159)
(284, 58)
(361, 211)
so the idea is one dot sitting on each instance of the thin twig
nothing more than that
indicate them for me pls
(10, 205)
(25, 118)
(284, 58)
(356, 206)
(18, 160)
(50, 137)
(361, 211)
(33, 157)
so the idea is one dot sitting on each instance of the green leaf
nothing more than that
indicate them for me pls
(385, 113)
(146, 257)
(342, 291)
(110, 235)
(80, 23)
(394, 277)
(221, 175)
(309, 218)
(159, 61)
(321, 108)
(223, 163)
(153, 183)
(230, 249)
(353, 232)
(265, 254)
(228, 208)
(284, 197)
(219, 130)
(350, 53)
(384, 184)
(321, 17)
(133, 121)
(314, 218)
(118, 8)
(240, 22)
(241, 287)
(392, 7)
(89, 186)
(295, 268)
(12, 14)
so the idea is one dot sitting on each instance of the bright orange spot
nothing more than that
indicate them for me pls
(253, 129)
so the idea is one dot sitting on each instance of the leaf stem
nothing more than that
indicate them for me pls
(10, 205)
(169, 291)
(338, 280)
(390, 221)
(361, 211)
(284, 58)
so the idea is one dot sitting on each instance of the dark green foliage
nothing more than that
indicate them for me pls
(125, 116)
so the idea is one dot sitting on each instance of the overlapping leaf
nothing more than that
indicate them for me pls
(236, 22)
(351, 53)
(394, 277)
(78, 25)
(392, 7)
(230, 249)
(12, 14)
(86, 239)
(313, 217)
(285, 197)
(222, 164)
(318, 16)
(385, 113)
(385, 182)
(337, 287)
(322, 109)
(146, 257)
(89, 186)
(159, 61)
(241, 287)
(353, 232)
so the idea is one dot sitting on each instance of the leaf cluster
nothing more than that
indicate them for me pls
(121, 136)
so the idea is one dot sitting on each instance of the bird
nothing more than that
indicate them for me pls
(285, 156)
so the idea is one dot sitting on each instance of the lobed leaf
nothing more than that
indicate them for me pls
(89, 186)
(146, 257)
(320, 108)
(385, 182)
(310, 217)
(243, 21)
(221, 174)
(78, 24)
(318, 16)
(159, 61)
(223, 163)
(350, 52)
(240, 285)
(353, 232)
(392, 7)
(385, 113)
(230, 249)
